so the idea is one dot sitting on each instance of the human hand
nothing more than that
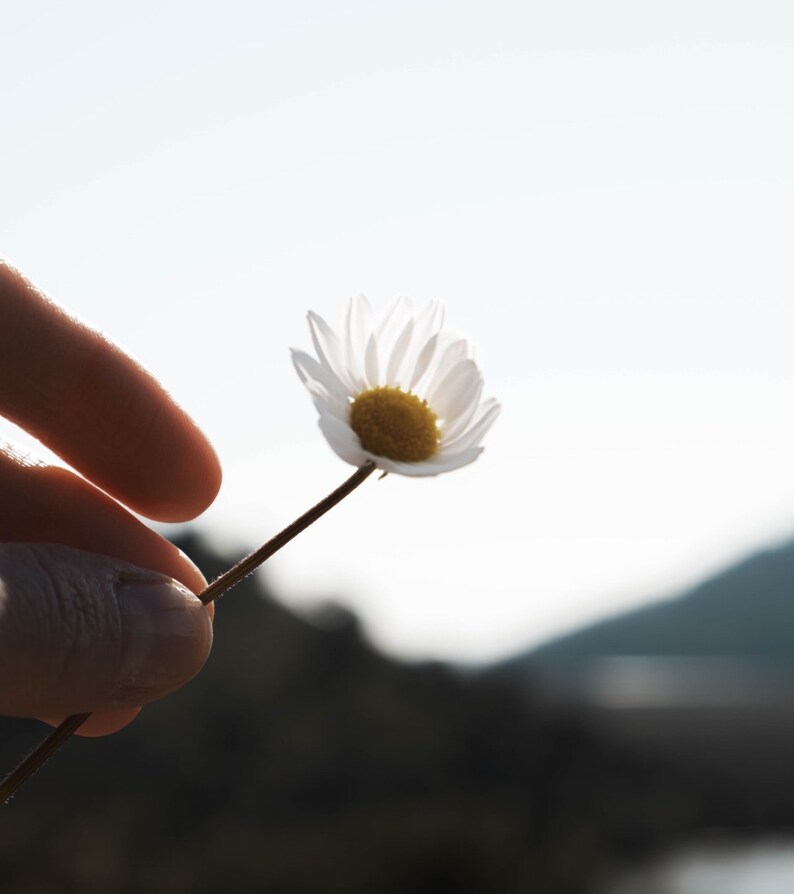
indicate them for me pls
(97, 611)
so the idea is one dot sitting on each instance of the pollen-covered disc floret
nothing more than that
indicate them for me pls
(396, 424)
(399, 391)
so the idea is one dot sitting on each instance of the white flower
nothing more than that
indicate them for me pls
(400, 391)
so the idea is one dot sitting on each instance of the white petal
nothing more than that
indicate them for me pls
(394, 373)
(429, 320)
(392, 322)
(371, 365)
(358, 328)
(435, 466)
(452, 428)
(328, 348)
(310, 369)
(343, 440)
(453, 392)
(325, 402)
(323, 405)
(451, 353)
(423, 361)
(486, 415)
(424, 330)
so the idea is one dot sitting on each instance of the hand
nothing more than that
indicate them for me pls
(97, 612)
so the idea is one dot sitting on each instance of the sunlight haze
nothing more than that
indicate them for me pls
(601, 195)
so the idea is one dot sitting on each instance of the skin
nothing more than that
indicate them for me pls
(112, 422)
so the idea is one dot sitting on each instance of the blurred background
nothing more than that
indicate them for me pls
(568, 667)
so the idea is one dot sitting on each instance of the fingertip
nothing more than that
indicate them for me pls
(179, 478)
(191, 486)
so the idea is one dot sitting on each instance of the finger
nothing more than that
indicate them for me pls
(40, 503)
(81, 632)
(99, 410)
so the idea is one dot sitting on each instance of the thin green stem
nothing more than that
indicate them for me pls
(47, 747)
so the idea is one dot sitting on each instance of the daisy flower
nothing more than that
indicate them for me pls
(400, 391)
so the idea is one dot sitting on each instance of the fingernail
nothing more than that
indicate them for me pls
(166, 636)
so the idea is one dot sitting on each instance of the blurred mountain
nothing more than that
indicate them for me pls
(703, 682)
(745, 610)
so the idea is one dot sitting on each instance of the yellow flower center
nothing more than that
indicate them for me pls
(395, 424)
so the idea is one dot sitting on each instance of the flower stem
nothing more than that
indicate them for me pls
(47, 747)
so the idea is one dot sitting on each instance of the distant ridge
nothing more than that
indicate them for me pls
(746, 610)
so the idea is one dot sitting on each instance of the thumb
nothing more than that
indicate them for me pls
(81, 632)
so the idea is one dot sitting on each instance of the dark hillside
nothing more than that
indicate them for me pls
(301, 760)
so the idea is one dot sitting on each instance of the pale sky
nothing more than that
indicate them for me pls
(601, 194)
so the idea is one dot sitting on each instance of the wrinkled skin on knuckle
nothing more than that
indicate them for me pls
(59, 632)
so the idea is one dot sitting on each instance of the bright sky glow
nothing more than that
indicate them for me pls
(601, 194)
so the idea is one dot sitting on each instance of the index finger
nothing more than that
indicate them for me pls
(94, 406)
